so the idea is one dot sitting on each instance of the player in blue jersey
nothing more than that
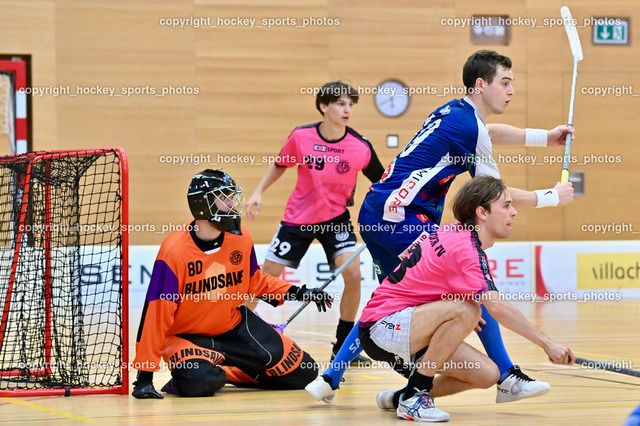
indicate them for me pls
(406, 205)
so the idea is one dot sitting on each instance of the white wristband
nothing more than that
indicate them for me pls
(535, 137)
(547, 197)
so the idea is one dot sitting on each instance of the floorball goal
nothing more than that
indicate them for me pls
(64, 272)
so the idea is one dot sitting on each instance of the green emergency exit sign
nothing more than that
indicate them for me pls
(610, 31)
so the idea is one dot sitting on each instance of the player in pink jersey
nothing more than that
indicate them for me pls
(421, 313)
(329, 155)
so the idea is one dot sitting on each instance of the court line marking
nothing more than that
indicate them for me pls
(609, 356)
(457, 408)
(579, 376)
(333, 412)
(49, 410)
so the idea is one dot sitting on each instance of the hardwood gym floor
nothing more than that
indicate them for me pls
(594, 330)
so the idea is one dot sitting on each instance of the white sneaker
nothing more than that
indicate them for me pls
(421, 408)
(385, 399)
(518, 386)
(321, 390)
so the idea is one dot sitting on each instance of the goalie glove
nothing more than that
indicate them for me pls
(143, 386)
(321, 298)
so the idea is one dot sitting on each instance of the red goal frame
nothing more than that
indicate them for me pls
(33, 158)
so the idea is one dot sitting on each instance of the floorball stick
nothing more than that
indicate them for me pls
(576, 51)
(281, 327)
(598, 365)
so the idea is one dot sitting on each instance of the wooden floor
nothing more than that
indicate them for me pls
(595, 330)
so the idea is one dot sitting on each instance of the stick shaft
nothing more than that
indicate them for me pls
(576, 51)
(569, 138)
(598, 365)
(329, 281)
(574, 80)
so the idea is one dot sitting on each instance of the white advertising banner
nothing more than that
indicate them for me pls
(510, 265)
(588, 270)
(585, 270)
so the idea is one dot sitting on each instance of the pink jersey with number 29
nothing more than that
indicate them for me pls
(327, 172)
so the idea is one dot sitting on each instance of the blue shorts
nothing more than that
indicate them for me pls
(389, 242)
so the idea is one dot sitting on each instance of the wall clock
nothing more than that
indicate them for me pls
(392, 98)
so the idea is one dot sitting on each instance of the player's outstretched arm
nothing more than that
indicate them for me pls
(504, 134)
(255, 201)
(522, 198)
(559, 195)
(507, 315)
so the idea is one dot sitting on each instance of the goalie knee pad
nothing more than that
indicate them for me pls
(297, 378)
(201, 379)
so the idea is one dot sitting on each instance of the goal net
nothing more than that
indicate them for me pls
(63, 273)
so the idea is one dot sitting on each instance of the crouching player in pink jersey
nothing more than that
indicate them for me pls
(328, 155)
(421, 313)
(406, 205)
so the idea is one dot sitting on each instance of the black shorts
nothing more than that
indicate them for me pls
(291, 242)
(268, 358)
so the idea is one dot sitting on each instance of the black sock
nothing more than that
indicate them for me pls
(416, 381)
(396, 397)
(342, 331)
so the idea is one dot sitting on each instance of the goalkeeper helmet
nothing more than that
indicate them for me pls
(214, 196)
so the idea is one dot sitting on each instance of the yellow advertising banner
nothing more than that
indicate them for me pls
(608, 270)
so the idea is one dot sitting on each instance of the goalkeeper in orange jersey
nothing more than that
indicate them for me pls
(193, 316)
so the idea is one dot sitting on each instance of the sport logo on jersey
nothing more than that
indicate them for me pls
(324, 148)
(343, 167)
(444, 111)
(236, 257)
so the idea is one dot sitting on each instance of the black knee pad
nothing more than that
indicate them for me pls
(197, 377)
(300, 377)
(306, 372)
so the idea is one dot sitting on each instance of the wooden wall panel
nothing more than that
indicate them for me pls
(550, 61)
(599, 121)
(249, 98)
(122, 45)
(29, 28)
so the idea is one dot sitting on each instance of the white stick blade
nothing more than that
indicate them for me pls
(572, 33)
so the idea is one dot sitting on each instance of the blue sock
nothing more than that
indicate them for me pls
(344, 357)
(634, 418)
(491, 339)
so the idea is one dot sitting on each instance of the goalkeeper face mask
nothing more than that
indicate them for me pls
(214, 196)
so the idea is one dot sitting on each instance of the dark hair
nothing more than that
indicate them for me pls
(333, 91)
(479, 191)
(483, 64)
